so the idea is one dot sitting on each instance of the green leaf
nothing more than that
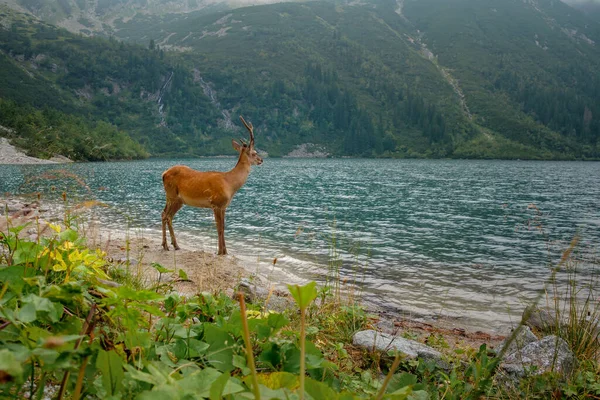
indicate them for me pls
(217, 387)
(278, 380)
(69, 235)
(277, 321)
(141, 376)
(9, 364)
(304, 295)
(399, 381)
(199, 384)
(110, 365)
(26, 253)
(160, 269)
(318, 390)
(183, 275)
(220, 352)
(197, 348)
(13, 275)
(27, 313)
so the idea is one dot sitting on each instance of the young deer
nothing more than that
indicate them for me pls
(211, 189)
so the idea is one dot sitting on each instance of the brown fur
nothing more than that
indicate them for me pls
(211, 189)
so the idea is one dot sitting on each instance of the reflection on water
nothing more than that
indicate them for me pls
(462, 238)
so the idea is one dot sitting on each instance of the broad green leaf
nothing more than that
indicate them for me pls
(200, 383)
(220, 352)
(278, 380)
(9, 364)
(271, 355)
(141, 376)
(277, 321)
(160, 269)
(126, 292)
(304, 295)
(183, 275)
(27, 313)
(138, 338)
(399, 381)
(13, 275)
(46, 356)
(162, 393)
(26, 253)
(217, 387)
(318, 390)
(69, 235)
(110, 365)
(197, 348)
(419, 395)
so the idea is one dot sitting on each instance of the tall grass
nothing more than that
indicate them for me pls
(577, 307)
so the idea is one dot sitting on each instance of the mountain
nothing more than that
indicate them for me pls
(412, 78)
(589, 7)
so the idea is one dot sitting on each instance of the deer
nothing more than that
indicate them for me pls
(207, 189)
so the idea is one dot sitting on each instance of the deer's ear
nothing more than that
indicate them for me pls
(236, 145)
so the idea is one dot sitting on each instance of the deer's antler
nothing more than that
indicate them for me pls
(250, 129)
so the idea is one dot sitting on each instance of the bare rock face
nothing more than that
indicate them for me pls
(549, 354)
(373, 340)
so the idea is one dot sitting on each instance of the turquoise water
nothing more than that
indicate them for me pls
(466, 239)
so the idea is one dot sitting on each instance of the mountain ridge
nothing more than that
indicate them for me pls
(384, 78)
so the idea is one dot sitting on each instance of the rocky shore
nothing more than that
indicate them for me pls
(9, 154)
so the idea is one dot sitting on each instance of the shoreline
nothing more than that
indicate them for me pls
(11, 155)
(138, 249)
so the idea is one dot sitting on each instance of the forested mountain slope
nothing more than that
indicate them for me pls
(92, 98)
(413, 78)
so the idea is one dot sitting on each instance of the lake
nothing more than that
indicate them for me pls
(472, 240)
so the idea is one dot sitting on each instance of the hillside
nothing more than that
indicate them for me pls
(420, 78)
(88, 98)
(459, 78)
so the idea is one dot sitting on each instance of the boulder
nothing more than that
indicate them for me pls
(549, 354)
(253, 293)
(373, 340)
(516, 341)
(539, 319)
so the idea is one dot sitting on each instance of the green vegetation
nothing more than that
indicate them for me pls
(103, 93)
(65, 325)
(47, 132)
(460, 78)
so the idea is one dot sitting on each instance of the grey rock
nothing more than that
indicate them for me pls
(387, 326)
(522, 337)
(373, 340)
(540, 319)
(253, 293)
(549, 354)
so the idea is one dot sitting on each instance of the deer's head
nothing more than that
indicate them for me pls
(248, 149)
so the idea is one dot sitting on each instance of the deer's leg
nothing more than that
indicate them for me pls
(164, 218)
(167, 219)
(220, 221)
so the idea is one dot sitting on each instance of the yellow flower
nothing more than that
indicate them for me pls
(59, 263)
(55, 228)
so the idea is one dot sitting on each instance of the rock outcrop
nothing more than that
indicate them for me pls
(373, 340)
